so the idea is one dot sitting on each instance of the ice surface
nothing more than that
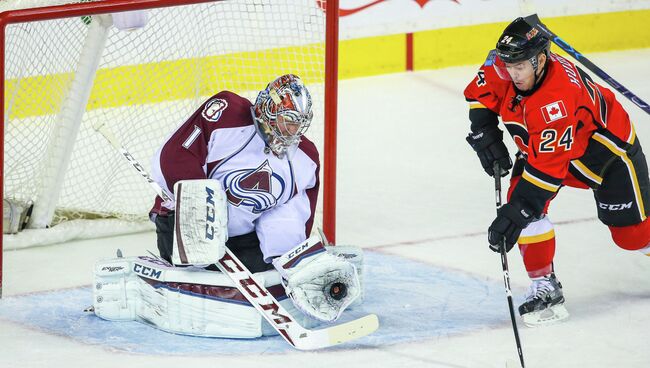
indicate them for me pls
(411, 192)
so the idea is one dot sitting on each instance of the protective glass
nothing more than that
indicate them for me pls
(515, 72)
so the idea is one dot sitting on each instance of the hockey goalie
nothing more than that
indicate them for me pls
(244, 178)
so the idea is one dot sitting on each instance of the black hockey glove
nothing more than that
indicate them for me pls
(511, 219)
(489, 147)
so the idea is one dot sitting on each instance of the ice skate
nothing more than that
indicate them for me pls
(544, 302)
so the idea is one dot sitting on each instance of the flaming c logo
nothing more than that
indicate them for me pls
(345, 12)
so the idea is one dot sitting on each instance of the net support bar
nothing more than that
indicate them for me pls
(68, 123)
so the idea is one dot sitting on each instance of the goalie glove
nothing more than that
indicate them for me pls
(319, 283)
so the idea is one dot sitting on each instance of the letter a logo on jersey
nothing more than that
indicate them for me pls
(554, 111)
(256, 188)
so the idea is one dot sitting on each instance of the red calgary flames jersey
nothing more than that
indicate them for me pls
(553, 124)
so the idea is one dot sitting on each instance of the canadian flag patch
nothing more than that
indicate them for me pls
(554, 111)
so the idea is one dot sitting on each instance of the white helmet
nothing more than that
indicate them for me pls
(282, 113)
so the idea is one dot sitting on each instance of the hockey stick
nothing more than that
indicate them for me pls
(108, 134)
(504, 264)
(276, 315)
(534, 21)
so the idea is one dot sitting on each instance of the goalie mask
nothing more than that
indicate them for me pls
(282, 113)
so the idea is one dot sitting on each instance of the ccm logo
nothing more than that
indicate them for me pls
(146, 271)
(615, 207)
(298, 250)
(210, 213)
(301, 249)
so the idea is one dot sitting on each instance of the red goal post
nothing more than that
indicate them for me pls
(64, 66)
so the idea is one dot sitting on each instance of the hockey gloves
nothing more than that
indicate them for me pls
(511, 219)
(489, 146)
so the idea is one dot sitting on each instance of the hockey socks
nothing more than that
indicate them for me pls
(537, 247)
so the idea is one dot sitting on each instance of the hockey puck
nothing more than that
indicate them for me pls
(338, 290)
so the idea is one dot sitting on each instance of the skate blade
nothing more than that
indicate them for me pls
(547, 316)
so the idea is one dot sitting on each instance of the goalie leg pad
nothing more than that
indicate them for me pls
(201, 227)
(189, 300)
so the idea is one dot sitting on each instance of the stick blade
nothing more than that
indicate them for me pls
(338, 334)
(354, 329)
(511, 363)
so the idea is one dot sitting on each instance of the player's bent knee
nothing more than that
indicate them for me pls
(537, 246)
(538, 230)
(632, 237)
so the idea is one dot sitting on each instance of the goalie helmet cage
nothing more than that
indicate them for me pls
(66, 66)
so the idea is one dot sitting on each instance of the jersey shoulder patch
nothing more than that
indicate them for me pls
(227, 110)
(213, 109)
(554, 111)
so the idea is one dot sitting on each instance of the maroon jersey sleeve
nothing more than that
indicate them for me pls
(311, 151)
(183, 155)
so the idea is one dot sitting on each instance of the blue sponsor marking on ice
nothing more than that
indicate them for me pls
(414, 301)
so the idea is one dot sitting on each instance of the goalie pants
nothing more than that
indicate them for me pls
(617, 173)
(246, 247)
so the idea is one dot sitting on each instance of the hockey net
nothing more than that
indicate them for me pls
(65, 71)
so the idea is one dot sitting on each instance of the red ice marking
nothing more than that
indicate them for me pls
(466, 235)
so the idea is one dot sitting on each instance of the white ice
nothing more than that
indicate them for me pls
(409, 185)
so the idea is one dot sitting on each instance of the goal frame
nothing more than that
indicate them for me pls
(328, 177)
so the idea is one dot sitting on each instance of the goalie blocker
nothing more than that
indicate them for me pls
(196, 232)
(201, 222)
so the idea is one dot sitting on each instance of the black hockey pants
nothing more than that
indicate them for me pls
(246, 247)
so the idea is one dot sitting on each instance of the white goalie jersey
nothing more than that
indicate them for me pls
(275, 197)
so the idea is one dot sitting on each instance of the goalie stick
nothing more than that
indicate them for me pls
(504, 265)
(276, 315)
(108, 134)
(534, 21)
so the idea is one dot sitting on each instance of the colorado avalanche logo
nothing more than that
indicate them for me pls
(254, 188)
(213, 109)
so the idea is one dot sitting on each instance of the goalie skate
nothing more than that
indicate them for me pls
(544, 302)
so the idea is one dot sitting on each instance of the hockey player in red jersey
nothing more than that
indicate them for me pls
(569, 131)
